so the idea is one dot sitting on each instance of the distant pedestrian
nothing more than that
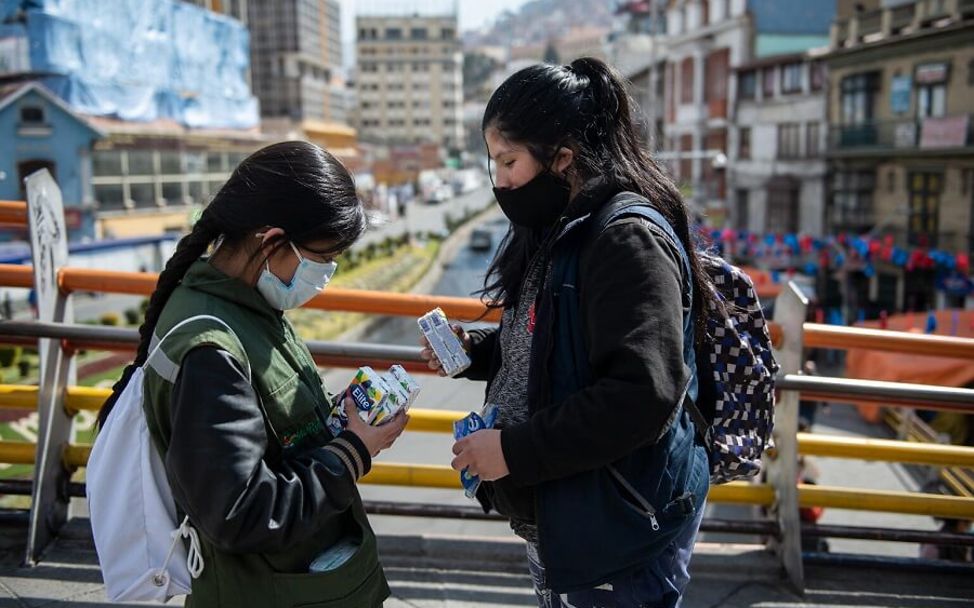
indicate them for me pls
(807, 408)
(949, 552)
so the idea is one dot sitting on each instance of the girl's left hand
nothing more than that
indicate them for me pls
(481, 454)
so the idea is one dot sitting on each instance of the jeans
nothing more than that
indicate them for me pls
(658, 585)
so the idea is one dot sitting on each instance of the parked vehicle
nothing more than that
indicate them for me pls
(481, 240)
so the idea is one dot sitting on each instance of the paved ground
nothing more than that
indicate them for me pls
(428, 571)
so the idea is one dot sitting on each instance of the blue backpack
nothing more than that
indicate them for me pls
(736, 368)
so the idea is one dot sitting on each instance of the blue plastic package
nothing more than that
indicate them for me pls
(334, 556)
(472, 423)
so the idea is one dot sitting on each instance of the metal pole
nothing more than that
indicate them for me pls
(790, 310)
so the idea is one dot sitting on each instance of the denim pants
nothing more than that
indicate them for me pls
(659, 585)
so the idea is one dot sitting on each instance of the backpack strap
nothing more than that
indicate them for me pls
(160, 362)
(630, 204)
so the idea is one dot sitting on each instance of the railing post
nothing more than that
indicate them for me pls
(789, 311)
(49, 249)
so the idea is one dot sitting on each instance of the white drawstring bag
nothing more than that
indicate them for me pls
(133, 515)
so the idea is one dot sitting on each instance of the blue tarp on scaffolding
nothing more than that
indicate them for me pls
(139, 60)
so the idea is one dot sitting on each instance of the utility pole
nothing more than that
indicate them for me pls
(653, 75)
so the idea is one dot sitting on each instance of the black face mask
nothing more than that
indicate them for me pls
(538, 203)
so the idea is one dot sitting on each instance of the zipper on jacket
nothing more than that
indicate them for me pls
(643, 503)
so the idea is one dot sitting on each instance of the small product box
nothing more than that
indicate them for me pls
(377, 397)
(472, 423)
(410, 386)
(445, 344)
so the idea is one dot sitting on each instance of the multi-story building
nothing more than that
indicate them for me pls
(776, 160)
(150, 178)
(138, 129)
(410, 80)
(637, 49)
(296, 60)
(705, 41)
(901, 97)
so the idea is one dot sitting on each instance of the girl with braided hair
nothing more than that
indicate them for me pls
(233, 399)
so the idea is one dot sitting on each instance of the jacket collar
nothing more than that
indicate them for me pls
(593, 194)
(204, 277)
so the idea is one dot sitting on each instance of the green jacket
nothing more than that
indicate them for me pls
(248, 456)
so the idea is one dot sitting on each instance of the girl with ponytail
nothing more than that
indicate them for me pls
(593, 458)
(233, 399)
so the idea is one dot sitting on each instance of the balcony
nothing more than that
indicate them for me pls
(927, 134)
(904, 18)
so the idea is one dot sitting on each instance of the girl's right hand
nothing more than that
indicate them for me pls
(375, 438)
(432, 361)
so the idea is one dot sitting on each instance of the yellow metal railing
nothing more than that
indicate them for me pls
(885, 450)
(439, 476)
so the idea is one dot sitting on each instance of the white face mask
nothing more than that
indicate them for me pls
(309, 279)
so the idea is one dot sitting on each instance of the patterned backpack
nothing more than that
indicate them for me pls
(736, 368)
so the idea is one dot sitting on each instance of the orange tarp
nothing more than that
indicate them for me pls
(903, 367)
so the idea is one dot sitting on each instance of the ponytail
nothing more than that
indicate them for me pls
(190, 248)
(586, 106)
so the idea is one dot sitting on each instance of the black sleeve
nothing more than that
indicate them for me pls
(219, 476)
(482, 342)
(632, 306)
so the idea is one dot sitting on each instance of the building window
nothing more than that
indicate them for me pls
(106, 163)
(169, 163)
(791, 78)
(686, 80)
(715, 82)
(686, 163)
(931, 82)
(852, 201)
(417, 33)
(742, 209)
(812, 139)
(789, 140)
(782, 213)
(816, 75)
(744, 143)
(931, 100)
(141, 163)
(172, 192)
(214, 162)
(393, 33)
(32, 115)
(925, 191)
(857, 95)
(747, 84)
(109, 197)
(143, 195)
(767, 82)
(447, 34)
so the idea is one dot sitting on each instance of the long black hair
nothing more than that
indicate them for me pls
(293, 185)
(585, 107)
